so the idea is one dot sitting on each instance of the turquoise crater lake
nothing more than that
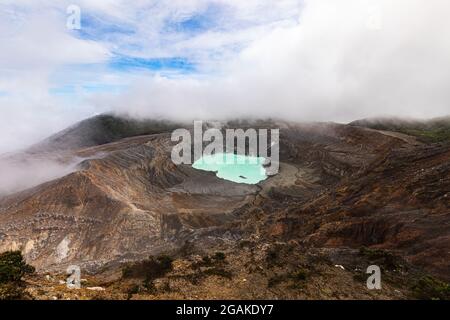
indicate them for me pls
(234, 167)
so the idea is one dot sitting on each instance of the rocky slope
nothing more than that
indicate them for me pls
(339, 188)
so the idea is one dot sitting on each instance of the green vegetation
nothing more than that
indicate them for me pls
(12, 269)
(373, 253)
(219, 256)
(299, 275)
(210, 265)
(435, 130)
(149, 269)
(127, 127)
(390, 264)
(133, 289)
(272, 257)
(429, 288)
(360, 276)
(155, 268)
(296, 278)
(382, 257)
(282, 255)
(429, 135)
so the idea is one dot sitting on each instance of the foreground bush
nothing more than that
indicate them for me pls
(430, 288)
(149, 269)
(12, 269)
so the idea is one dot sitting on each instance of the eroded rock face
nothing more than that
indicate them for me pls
(126, 200)
(338, 186)
(400, 203)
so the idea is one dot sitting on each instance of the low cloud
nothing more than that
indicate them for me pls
(22, 173)
(310, 60)
(341, 61)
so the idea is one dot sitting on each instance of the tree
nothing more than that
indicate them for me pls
(12, 269)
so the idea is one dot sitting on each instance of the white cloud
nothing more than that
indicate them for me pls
(21, 174)
(35, 43)
(299, 60)
(335, 64)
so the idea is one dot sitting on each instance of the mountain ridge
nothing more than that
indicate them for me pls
(340, 188)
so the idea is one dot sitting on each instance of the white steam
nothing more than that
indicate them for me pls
(342, 61)
(20, 174)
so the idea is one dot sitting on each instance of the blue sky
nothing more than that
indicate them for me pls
(52, 76)
(154, 39)
(304, 60)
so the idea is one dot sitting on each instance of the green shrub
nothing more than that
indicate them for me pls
(272, 258)
(382, 257)
(296, 278)
(149, 269)
(428, 288)
(218, 259)
(299, 275)
(13, 267)
(133, 289)
(360, 276)
(219, 256)
(206, 261)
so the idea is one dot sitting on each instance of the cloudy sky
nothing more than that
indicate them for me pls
(303, 60)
